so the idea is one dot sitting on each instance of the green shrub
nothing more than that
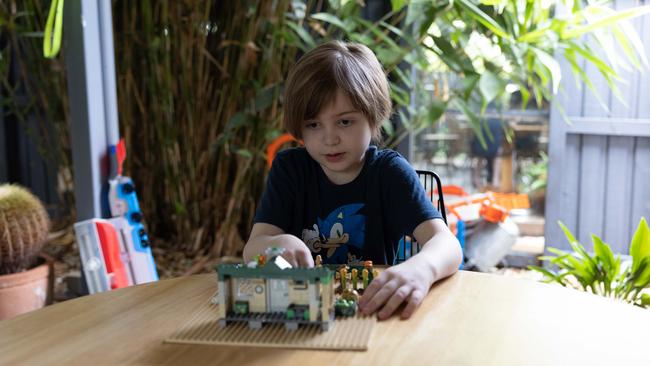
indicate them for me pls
(602, 273)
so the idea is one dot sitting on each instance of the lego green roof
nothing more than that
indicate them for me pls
(322, 274)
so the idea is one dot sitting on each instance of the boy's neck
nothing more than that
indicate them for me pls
(340, 179)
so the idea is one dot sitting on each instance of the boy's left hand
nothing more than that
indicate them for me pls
(407, 282)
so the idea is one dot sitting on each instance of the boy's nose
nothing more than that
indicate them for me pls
(331, 137)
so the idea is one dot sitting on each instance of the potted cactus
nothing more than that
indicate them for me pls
(25, 278)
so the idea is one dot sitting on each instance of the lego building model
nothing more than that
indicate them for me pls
(270, 290)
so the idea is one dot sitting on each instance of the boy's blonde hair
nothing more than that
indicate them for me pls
(351, 67)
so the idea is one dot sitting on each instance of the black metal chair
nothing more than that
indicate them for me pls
(428, 178)
(408, 247)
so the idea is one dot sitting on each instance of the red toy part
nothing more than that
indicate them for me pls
(275, 145)
(452, 189)
(492, 212)
(111, 250)
(121, 155)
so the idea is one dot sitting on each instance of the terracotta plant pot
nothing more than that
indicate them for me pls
(26, 291)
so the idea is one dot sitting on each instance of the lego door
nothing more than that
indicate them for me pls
(279, 295)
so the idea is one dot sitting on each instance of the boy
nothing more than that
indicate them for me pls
(339, 196)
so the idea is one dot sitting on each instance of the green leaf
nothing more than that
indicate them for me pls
(330, 18)
(469, 84)
(534, 35)
(604, 253)
(606, 21)
(179, 208)
(546, 257)
(397, 4)
(645, 300)
(543, 270)
(436, 109)
(640, 245)
(304, 36)
(245, 153)
(400, 95)
(623, 41)
(582, 270)
(361, 38)
(490, 86)
(476, 13)
(403, 78)
(474, 121)
(590, 56)
(567, 233)
(552, 65)
(387, 125)
(642, 278)
(525, 96)
(238, 119)
(570, 56)
(548, 274)
(373, 28)
(264, 98)
(404, 119)
(630, 34)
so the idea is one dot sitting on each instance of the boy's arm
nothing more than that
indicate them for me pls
(267, 235)
(410, 281)
(440, 249)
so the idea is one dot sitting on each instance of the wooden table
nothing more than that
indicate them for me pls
(469, 319)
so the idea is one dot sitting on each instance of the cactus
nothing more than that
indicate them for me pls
(24, 225)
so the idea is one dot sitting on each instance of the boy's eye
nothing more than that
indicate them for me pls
(345, 122)
(311, 125)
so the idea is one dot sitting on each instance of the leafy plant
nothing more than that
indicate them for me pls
(534, 176)
(602, 273)
(491, 48)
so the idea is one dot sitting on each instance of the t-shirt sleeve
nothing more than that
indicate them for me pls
(407, 205)
(276, 205)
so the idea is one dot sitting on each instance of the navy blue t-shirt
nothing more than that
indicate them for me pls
(360, 220)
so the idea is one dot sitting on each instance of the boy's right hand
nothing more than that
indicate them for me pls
(264, 236)
(295, 251)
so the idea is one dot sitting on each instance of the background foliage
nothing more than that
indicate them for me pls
(198, 87)
(199, 84)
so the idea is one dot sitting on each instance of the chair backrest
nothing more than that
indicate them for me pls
(407, 246)
(433, 187)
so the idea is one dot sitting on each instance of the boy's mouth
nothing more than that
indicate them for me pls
(334, 158)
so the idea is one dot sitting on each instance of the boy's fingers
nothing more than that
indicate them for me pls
(288, 255)
(414, 302)
(369, 292)
(304, 259)
(372, 304)
(398, 297)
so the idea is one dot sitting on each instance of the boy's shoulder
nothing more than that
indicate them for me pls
(293, 155)
(383, 158)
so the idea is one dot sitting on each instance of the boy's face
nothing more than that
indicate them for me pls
(338, 139)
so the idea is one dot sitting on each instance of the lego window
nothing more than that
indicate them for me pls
(299, 284)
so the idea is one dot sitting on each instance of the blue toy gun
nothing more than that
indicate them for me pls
(123, 202)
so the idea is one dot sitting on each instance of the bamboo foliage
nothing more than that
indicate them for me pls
(198, 87)
(34, 88)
